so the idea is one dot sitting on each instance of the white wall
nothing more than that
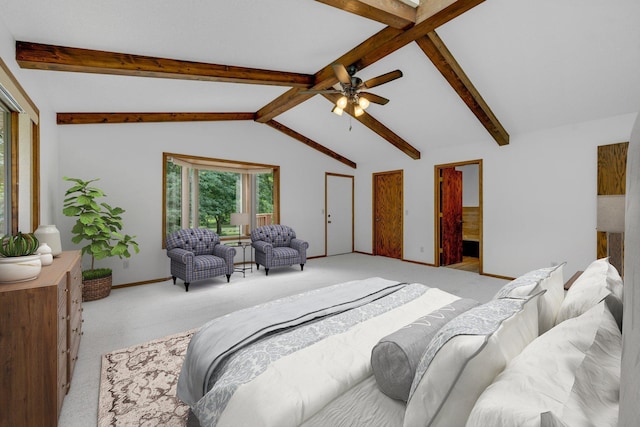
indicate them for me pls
(539, 197)
(128, 160)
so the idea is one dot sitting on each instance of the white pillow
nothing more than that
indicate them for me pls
(545, 384)
(598, 282)
(594, 398)
(465, 357)
(549, 279)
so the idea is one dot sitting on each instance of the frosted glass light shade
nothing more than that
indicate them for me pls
(342, 102)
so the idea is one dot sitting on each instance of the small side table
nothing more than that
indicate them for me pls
(244, 246)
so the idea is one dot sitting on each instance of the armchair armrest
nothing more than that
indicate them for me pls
(228, 253)
(262, 246)
(299, 245)
(181, 255)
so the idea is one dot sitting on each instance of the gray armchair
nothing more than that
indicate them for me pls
(196, 254)
(276, 246)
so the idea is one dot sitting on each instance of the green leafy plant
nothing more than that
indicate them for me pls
(98, 223)
(21, 244)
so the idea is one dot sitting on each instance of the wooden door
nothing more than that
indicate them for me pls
(339, 214)
(451, 219)
(387, 214)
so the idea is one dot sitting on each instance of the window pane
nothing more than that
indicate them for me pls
(264, 184)
(220, 196)
(174, 197)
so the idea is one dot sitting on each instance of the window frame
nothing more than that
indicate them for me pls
(7, 175)
(16, 99)
(223, 165)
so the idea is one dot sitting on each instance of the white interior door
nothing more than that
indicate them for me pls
(339, 214)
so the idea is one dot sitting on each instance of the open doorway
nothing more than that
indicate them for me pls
(458, 215)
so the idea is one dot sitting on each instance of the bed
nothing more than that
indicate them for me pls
(376, 352)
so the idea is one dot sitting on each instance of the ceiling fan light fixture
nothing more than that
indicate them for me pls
(357, 110)
(342, 102)
(363, 102)
(337, 110)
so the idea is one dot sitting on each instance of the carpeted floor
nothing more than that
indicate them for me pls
(130, 316)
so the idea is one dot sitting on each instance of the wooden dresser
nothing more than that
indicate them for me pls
(40, 330)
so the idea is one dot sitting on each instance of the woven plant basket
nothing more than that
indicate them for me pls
(94, 289)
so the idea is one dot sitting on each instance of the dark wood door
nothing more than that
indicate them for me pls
(387, 214)
(451, 219)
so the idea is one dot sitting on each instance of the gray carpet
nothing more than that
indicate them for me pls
(134, 315)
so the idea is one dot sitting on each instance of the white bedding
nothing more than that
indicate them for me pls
(362, 406)
(297, 386)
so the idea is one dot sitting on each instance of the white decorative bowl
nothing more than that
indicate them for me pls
(20, 268)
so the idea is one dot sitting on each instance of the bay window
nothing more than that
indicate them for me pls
(204, 192)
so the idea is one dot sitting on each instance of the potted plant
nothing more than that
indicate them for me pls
(19, 261)
(100, 225)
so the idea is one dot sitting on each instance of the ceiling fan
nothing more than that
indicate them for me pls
(353, 99)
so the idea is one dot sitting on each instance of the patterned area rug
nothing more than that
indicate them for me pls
(138, 384)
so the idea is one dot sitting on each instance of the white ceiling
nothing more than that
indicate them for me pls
(538, 64)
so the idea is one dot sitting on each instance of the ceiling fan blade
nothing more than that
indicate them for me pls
(384, 78)
(320, 91)
(342, 74)
(372, 97)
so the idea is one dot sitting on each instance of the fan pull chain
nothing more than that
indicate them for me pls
(350, 123)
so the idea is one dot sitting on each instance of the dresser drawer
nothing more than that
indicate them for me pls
(63, 293)
(63, 375)
(63, 314)
(74, 347)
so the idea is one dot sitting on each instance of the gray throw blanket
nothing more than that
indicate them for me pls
(222, 336)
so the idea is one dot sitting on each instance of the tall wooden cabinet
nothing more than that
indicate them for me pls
(40, 330)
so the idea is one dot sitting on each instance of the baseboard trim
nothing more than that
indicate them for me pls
(145, 282)
(427, 264)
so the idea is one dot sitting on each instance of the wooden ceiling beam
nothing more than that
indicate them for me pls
(392, 13)
(309, 142)
(435, 49)
(438, 13)
(383, 131)
(442, 11)
(62, 58)
(105, 118)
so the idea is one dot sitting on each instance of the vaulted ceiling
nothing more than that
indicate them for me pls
(475, 72)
